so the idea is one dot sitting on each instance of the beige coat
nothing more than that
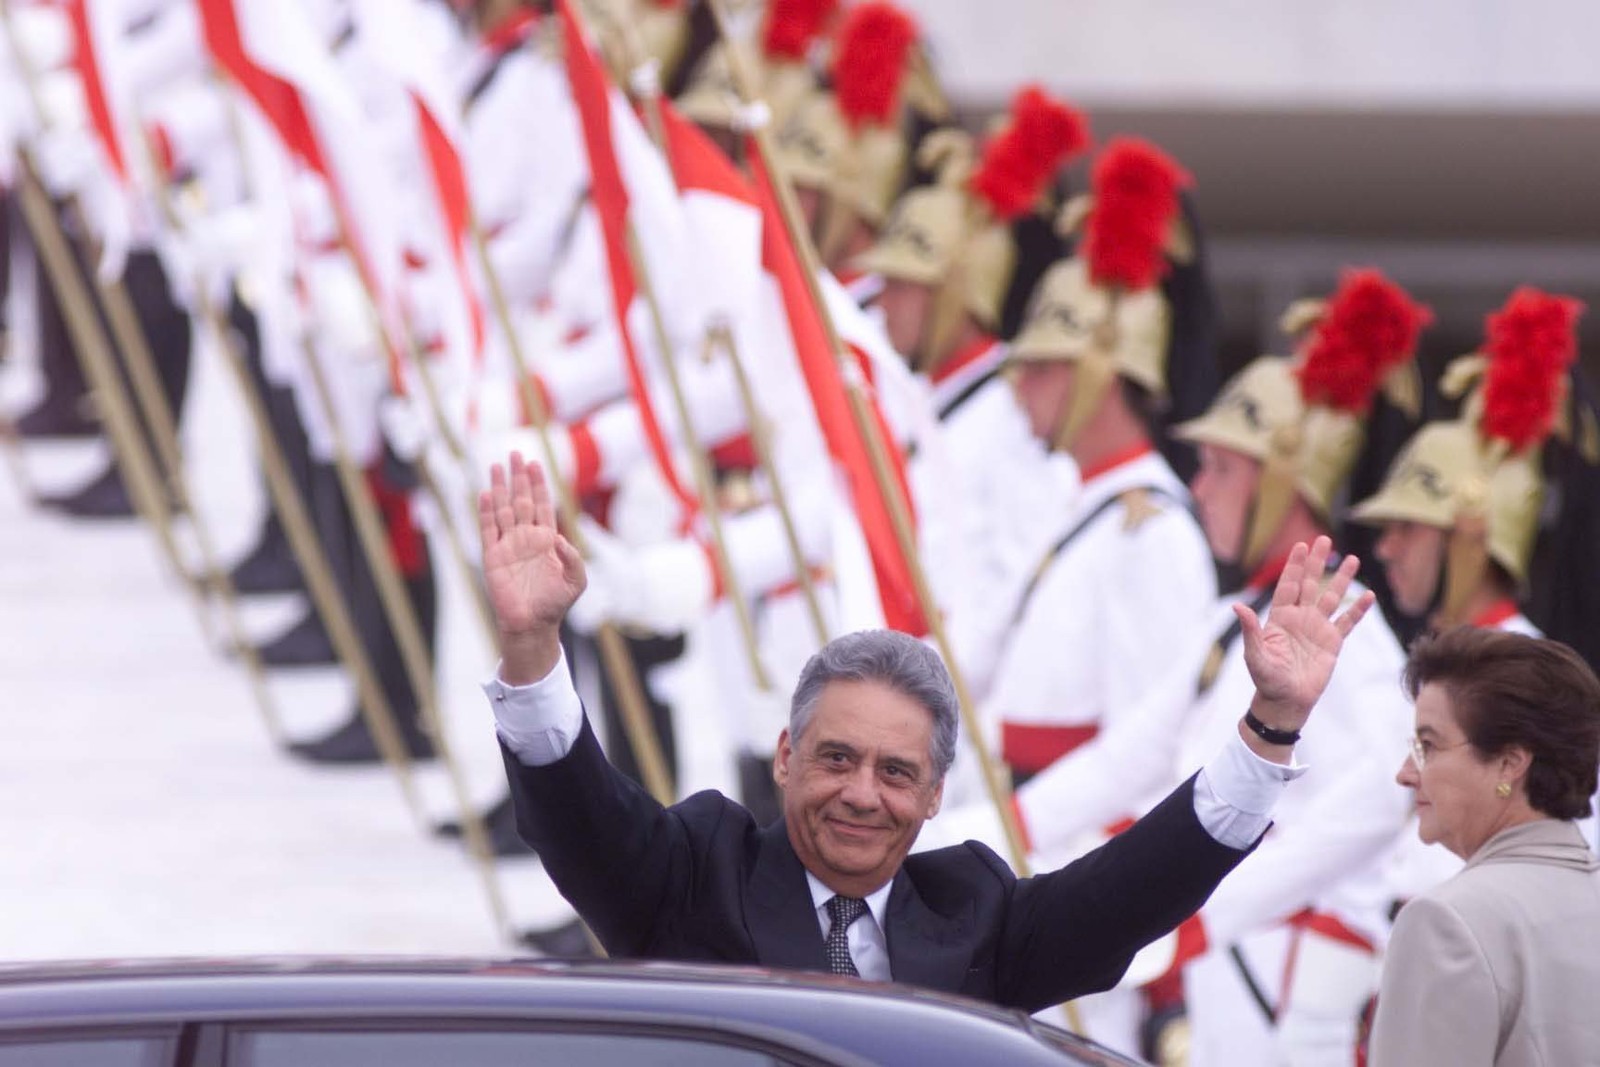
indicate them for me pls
(1501, 964)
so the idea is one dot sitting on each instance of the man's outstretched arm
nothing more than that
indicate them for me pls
(611, 849)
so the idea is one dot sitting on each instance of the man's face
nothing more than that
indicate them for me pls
(858, 784)
(1412, 554)
(1044, 389)
(905, 308)
(1224, 488)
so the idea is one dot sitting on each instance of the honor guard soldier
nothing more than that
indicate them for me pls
(1275, 450)
(847, 149)
(948, 260)
(1461, 507)
(1088, 364)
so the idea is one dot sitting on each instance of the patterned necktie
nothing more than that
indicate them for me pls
(842, 911)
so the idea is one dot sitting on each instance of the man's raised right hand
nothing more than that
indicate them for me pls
(533, 573)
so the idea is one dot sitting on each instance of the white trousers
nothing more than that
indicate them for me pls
(1317, 985)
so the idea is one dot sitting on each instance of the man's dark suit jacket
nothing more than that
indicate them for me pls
(701, 881)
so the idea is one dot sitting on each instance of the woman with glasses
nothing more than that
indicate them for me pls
(1500, 964)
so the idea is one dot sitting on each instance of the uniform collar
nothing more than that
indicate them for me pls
(1144, 470)
(1268, 573)
(1115, 460)
(510, 31)
(1496, 613)
(981, 351)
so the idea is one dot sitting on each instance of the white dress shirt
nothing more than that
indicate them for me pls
(1233, 795)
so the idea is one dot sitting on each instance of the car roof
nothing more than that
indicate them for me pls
(832, 1017)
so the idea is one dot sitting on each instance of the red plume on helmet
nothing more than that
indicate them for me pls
(793, 24)
(1531, 342)
(871, 52)
(1020, 161)
(1135, 204)
(1369, 327)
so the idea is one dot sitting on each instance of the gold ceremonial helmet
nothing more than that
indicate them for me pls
(954, 235)
(1111, 317)
(848, 143)
(1275, 410)
(631, 33)
(778, 58)
(712, 96)
(1450, 478)
(940, 236)
(1478, 478)
(663, 33)
(1070, 319)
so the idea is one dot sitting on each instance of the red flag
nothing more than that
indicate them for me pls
(450, 185)
(86, 60)
(697, 163)
(281, 68)
(591, 93)
(277, 98)
(902, 610)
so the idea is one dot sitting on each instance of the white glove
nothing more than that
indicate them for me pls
(222, 242)
(66, 160)
(43, 35)
(403, 426)
(64, 103)
(663, 588)
(644, 510)
(340, 312)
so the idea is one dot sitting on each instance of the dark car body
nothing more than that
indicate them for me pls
(409, 1013)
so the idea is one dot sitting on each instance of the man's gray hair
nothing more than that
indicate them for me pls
(890, 658)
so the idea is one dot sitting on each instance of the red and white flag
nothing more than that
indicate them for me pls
(397, 40)
(611, 137)
(272, 53)
(846, 441)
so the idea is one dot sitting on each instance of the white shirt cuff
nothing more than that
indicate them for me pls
(1235, 792)
(538, 722)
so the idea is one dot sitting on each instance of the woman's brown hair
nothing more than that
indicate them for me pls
(1510, 690)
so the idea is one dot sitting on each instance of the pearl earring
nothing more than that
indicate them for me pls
(1503, 790)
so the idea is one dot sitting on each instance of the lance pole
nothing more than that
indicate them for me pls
(401, 615)
(999, 789)
(996, 782)
(394, 600)
(646, 86)
(615, 659)
(326, 598)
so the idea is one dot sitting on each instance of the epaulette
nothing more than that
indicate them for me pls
(1139, 506)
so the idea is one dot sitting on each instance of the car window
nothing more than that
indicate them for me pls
(483, 1048)
(76, 1051)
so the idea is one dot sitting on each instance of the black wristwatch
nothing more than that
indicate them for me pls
(1267, 733)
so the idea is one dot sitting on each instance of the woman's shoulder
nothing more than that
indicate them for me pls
(1490, 898)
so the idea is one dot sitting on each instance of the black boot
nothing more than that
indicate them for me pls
(106, 497)
(500, 823)
(67, 410)
(352, 743)
(167, 329)
(59, 416)
(305, 644)
(270, 567)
